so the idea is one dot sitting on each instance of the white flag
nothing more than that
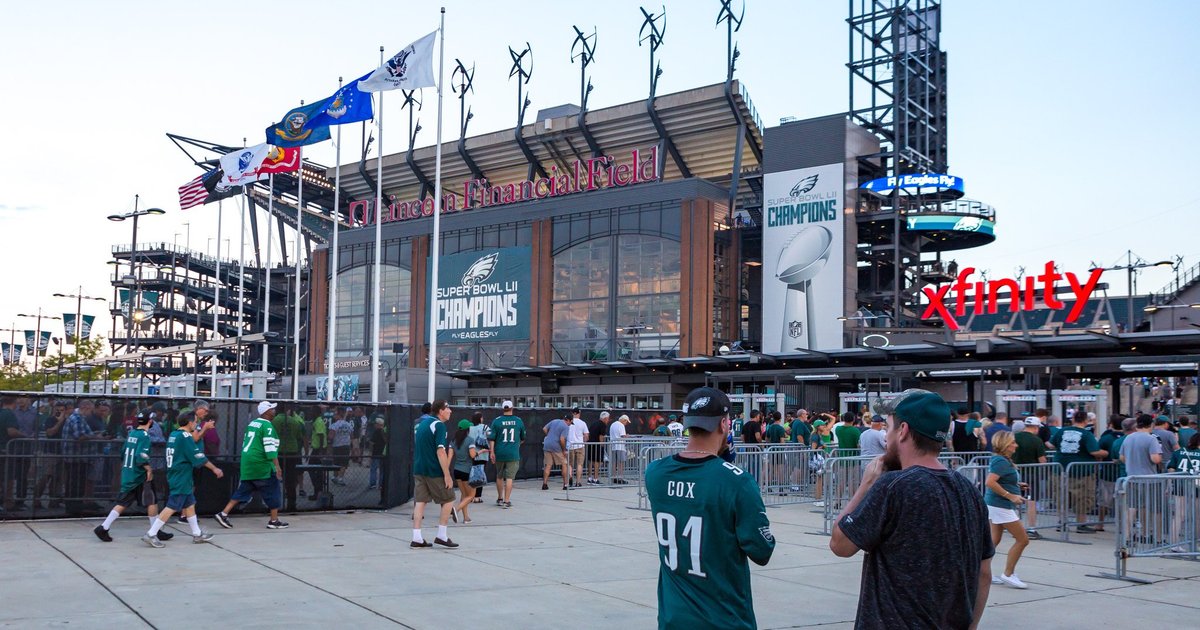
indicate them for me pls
(241, 166)
(410, 69)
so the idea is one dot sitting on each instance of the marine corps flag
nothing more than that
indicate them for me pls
(280, 161)
(206, 188)
(293, 130)
(409, 69)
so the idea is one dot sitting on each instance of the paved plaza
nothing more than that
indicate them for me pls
(544, 563)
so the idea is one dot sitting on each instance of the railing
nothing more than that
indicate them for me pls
(1176, 286)
(1159, 517)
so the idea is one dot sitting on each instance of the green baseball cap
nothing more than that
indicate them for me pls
(464, 424)
(924, 411)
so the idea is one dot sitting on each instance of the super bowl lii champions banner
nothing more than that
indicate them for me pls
(11, 352)
(148, 302)
(803, 259)
(42, 346)
(483, 295)
(85, 328)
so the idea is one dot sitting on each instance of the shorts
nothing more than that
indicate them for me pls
(341, 456)
(431, 490)
(507, 470)
(268, 488)
(1000, 516)
(555, 458)
(1082, 492)
(595, 453)
(142, 494)
(461, 476)
(180, 502)
(1105, 492)
(575, 457)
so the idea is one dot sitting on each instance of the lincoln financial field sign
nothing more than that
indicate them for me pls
(484, 295)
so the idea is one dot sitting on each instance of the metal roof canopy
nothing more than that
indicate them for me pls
(699, 122)
(1087, 354)
(166, 351)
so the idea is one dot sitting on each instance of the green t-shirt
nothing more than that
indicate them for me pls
(507, 432)
(709, 518)
(319, 434)
(775, 433)
(1185, 461)
(1009, 479)
(260, 447)
(800, 431)
(662, 431)
(1185, 436)
(290, 430)
(1074, 444)
(134, 460)
(847, 438)
(1029, 448)
(430, 436)
(183, 455)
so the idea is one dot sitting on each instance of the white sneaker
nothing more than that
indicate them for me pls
(1013, 581)
(996, 579)
(819, 504)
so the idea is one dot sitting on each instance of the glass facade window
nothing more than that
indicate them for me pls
(614, 401)
(354, 312)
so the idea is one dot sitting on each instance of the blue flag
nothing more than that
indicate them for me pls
(347, 105)
(294, 130)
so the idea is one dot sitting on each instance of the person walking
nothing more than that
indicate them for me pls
(577, 437)
(290, 429)
(260, 472)
(709, 520)
(432, 482)
(1076, 444)
(1002, 496)
(479, 433)
(183, 456)
(504, 441)
(924, 528)
(464, 459)
(136, 478)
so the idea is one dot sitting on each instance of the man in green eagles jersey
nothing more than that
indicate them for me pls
(432, 482)
(183, 456)
(505, 437)
(260, 468)
(709, 517)
(136, 478)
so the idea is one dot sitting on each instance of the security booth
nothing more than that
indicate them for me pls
(744, 403)
(854, 401)
(1067, 403)
(1020, 403)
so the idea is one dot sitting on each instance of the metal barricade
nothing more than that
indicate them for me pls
(1158, 517)
(1044, 492)
(974, 473)
(840, 478)
(649, 454)
(787, 477)
(951, 460)
(1088, 488)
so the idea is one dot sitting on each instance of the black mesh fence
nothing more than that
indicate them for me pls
(61, 456)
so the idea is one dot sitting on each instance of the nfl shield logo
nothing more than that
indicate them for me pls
(795, 329)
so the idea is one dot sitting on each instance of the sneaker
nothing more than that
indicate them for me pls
(102, 533)
(996, 579)
(1013, 581)
(164, 536)
(202, 538)
(182, 520)
(303, 493)
(565, 487)
(276, 524)
(371, 487)
(545, 487)
(223, 520)
(819, 504)
(1085, 529)
(795, 488)
(445, 543)
(454, 514)
(499, 503)
(153, 542)
(420, 545)
(507, 504)
(1033, 534)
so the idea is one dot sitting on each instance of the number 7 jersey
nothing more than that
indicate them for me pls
(709, 518)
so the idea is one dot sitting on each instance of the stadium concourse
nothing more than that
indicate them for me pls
(544, 563)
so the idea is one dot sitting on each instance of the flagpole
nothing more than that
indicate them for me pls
(216, 298)
(241, 286)
(437, 213)
(376, 310)
(267, 299)
(296, 300)
(333, 257)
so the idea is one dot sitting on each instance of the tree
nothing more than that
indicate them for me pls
(18, 378)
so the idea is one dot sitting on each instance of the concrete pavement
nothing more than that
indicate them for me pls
(542, 564)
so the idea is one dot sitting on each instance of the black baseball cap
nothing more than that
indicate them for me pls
(144, 417)
(704, 408)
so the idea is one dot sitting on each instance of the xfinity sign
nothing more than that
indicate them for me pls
(1020, 293)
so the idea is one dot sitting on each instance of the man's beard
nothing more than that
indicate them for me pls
(891, 456)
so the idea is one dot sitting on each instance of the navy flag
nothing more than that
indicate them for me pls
(294, 130)
(348, 105)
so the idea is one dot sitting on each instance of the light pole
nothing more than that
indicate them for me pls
(37, 336)
(135, 297)
(1129, 267)
(79, 298)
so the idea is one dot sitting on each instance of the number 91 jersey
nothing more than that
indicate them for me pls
(709, 518)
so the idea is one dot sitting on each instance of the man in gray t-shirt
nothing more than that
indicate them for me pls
(873, 441)
(554, 449)
(1141, 451)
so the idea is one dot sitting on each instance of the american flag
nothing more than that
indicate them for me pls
(193, 193)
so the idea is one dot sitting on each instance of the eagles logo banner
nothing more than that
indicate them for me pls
(483, 295)
(294, 130)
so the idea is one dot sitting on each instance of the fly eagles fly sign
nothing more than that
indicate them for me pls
(483, 295)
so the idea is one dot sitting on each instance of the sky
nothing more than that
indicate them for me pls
(1069, 117)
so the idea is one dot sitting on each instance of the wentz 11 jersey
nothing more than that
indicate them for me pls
(134, 458)
(709, 517)
(507, 432)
